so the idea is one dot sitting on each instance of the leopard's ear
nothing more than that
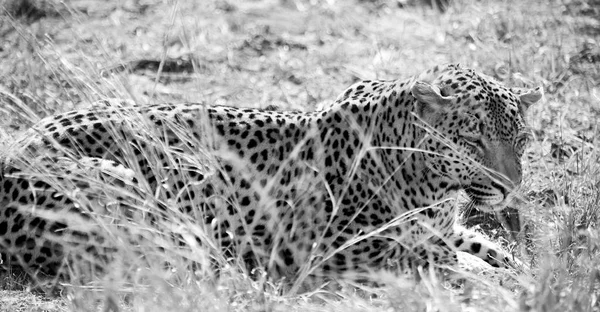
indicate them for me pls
(530, 97)
(429, 99)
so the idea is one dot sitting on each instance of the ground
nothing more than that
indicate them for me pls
(299, 54)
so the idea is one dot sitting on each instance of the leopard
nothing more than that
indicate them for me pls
(369, 182)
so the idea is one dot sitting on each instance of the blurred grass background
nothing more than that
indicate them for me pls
(297, 54)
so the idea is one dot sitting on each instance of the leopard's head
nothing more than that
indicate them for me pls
(476, 132)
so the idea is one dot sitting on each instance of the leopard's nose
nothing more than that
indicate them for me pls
(513, 173)
(506, 168)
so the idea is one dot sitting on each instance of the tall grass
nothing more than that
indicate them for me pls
(309, 52)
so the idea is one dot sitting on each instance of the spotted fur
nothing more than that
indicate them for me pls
(367, 183)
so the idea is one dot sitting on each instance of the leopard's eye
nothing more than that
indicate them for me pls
(473, 139)
(522, 140)
(473, 134)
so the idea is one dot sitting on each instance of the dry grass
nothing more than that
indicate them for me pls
(298, 54)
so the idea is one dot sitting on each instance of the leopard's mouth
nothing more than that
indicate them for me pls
(488, 199)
